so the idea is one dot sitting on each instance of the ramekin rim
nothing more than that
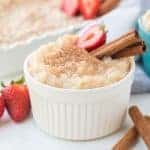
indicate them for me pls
(27, 74)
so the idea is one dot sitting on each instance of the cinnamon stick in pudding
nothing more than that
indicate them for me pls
(127, 45)
(131, 51)
(128, 140)
(142, 126)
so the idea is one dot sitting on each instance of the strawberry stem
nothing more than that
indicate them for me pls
(103, 28)
(19, 81)
(2, 84)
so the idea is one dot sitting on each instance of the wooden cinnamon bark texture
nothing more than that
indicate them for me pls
(128, 45)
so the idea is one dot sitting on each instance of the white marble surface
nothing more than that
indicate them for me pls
(27, 136)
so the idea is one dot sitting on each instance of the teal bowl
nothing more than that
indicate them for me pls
(145, 35)
(146, 62)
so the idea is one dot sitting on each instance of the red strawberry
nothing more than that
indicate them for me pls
(62, 5)
(93, 38)
(17, 101)
(2, 105)
(70, 7)
(89, 8)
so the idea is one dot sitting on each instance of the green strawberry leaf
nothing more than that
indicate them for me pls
(18, 81)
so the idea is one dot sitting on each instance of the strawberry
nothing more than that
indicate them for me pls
(94, 37)
(70, 7)
(89, 8)
(17, 101)
(62, 5)
(2, 105)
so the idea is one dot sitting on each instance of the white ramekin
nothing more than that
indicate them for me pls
(77, 114)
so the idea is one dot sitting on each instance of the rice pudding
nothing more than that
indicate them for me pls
(61, 64)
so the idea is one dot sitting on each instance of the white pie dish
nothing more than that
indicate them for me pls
(13, 56)
(77, 114)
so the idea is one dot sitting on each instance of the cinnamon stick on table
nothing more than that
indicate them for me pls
(128, 45)
(142, 126)
(130, 138)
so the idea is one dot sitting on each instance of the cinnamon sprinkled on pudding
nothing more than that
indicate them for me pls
(63, 65)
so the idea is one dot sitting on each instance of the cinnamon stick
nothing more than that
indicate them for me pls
(124, 44)
(130, 51)
(128, 140)
(141, 124)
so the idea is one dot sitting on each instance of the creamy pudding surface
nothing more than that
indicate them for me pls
(61, 64)
(22, 19)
